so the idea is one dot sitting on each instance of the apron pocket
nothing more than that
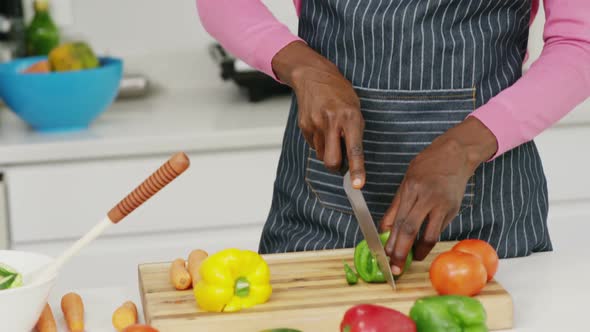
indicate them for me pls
(399, 124)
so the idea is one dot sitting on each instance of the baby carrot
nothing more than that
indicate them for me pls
(179, 276)
(140, 328)
(124, 316)
(73, 310)
(195, 258)
(46, 322)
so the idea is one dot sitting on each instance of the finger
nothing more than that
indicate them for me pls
(308, 135)
(449, 218)
(389, 216)
(406, 235)
(431, 234)
(353, 135)
(318, 143)
(306, 129)
(333, 152)
(407, 199)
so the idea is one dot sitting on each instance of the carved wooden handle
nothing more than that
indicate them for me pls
(158, 180)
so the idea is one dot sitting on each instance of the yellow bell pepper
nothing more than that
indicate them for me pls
(232, 280)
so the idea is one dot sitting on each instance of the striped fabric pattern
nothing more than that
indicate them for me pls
(419, 67)
(398, 125)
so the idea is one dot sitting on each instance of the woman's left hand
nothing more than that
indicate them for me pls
(433, 189)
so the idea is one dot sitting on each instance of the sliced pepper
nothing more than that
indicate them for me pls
(449, 313)
(366, 264)
(351, 277)
(232, 280)
(374, 318)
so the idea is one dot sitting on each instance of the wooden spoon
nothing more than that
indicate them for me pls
(169, 171)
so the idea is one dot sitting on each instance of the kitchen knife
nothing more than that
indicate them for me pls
(365, 221)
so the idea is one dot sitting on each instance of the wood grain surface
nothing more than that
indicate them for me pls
(310, 293)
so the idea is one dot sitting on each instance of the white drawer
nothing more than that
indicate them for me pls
(565, 160)
(112, 262)
(62, 201)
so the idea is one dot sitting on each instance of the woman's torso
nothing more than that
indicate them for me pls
(419, 67)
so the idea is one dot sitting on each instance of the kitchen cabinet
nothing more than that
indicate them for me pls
(4, 240)
(59, 185)
(221, 201)
(110, 261)
(56, 187)
(219, 190)
(565, 163)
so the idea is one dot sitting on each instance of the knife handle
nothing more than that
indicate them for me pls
(175, 166)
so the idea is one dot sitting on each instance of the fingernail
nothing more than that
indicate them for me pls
(357, 183)
(395, 270)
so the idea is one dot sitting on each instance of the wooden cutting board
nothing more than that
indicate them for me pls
(310, 293)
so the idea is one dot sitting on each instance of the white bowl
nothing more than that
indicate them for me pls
(20, 307)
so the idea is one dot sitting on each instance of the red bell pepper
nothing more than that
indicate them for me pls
(374, 318)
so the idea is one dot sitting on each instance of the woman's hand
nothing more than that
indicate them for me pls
(329, 108)
(433, 189)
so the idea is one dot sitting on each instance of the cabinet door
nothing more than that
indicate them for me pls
(113, 261)
(565, 162)
(3, 215)
(62, 201)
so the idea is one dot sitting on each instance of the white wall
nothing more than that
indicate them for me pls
(582, 113)
(165, 40)
(162, 39)
(137, 27)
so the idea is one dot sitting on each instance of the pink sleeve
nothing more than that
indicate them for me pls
(554, 85)
(247, 29)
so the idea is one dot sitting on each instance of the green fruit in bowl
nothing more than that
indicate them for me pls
(9, 277)
(72, 56)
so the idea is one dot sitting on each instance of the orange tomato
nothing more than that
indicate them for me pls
(457, 273)
(483, 251)
(139, 328)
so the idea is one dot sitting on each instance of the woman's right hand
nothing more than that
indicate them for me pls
(329, 109)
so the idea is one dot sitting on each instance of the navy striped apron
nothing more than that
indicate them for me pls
(419, 67)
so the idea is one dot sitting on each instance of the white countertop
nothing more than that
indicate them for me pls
(549, 289)
(215, 118)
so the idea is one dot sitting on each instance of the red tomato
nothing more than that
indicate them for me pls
(483, 251)
(139, 328)
(457, 273)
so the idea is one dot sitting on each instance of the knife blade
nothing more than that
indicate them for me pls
(367, 226)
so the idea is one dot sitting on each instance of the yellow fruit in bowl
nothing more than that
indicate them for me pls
(72, 56)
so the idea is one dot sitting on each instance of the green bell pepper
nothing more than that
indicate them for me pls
(351, 277)
(366, 264)
(449, 313)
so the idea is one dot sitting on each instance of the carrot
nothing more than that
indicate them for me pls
(124, 316)
(179, 276)
(195, 258)
(140, 328)
(46, 322)
(73, 310)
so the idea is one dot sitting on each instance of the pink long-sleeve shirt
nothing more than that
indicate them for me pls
(554, 85)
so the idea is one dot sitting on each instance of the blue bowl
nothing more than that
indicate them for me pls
(59, 101)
